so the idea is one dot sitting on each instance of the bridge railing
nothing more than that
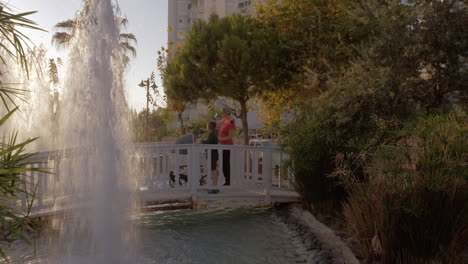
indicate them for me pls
(38, 184)
(172, 167)
(167, 168)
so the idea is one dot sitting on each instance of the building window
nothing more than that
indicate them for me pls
(244, 4)
(181, 21)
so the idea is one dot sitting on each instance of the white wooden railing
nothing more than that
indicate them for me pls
(251, 167)
(171, 168)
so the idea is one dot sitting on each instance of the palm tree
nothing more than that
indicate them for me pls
(12, 41)
(14, 159)
(68, 28)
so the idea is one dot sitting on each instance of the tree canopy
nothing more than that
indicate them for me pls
(234, 57)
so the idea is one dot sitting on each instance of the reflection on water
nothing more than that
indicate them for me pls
(242, 235)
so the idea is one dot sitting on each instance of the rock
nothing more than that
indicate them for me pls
(315, 243)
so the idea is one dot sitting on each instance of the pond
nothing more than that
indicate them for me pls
(241, 235)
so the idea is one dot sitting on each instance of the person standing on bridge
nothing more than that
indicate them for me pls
(212, 139)
(226, 134)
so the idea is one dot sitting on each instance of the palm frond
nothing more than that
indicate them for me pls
(61, 38)
(14, 163)
(123, 21)
(8, 94)
(14, 183)
(69, 24)
(129, 48)
(16, 43)
(128, 37)
(5, 118)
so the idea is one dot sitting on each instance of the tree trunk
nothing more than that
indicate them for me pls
(181, 121)
(245, 124)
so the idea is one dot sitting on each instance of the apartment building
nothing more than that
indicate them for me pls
(182, 14)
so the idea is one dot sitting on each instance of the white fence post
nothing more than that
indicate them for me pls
(40, 187)
(236, 176)
(267, 172)
(194, 156)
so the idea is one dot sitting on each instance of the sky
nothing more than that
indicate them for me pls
(147, 21)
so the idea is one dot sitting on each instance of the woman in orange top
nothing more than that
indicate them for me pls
(225, 136)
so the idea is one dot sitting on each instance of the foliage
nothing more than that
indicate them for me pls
(403, 182)
(275, 104)
(232, 57)
(53, 73)
(424, 46)
(317, 33)
(14, 164)
(326, 37)
(321, 43)
(376, 88)
(442, 52)
(55, 97)
(214, 112)
(175, 104)
(413, 207)
(311, 142)
(198, 127)
(157, 125)
(355, 115)
(154, 98)
(8, 95)
(14, 42)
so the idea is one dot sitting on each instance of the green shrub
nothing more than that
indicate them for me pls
(311, 143)
(355, 115)
(414, 207)
(14, 183)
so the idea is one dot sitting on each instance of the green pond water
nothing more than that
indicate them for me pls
(237, 236)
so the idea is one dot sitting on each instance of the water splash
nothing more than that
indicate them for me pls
(93, 128)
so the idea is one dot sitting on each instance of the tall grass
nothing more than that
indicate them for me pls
(414, 206)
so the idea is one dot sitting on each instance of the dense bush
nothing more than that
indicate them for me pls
(414, 206)
(311, 143)
(368, 67)
(356, 114)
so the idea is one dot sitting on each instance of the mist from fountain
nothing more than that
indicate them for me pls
(94, 134)
(36, 111)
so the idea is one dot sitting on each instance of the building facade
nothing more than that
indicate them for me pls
(182, 14)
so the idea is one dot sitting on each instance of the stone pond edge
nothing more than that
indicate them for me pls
(320, 245)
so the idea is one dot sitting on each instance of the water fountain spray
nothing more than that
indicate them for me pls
(93, 137)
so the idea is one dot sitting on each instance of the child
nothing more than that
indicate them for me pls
(213, 139)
